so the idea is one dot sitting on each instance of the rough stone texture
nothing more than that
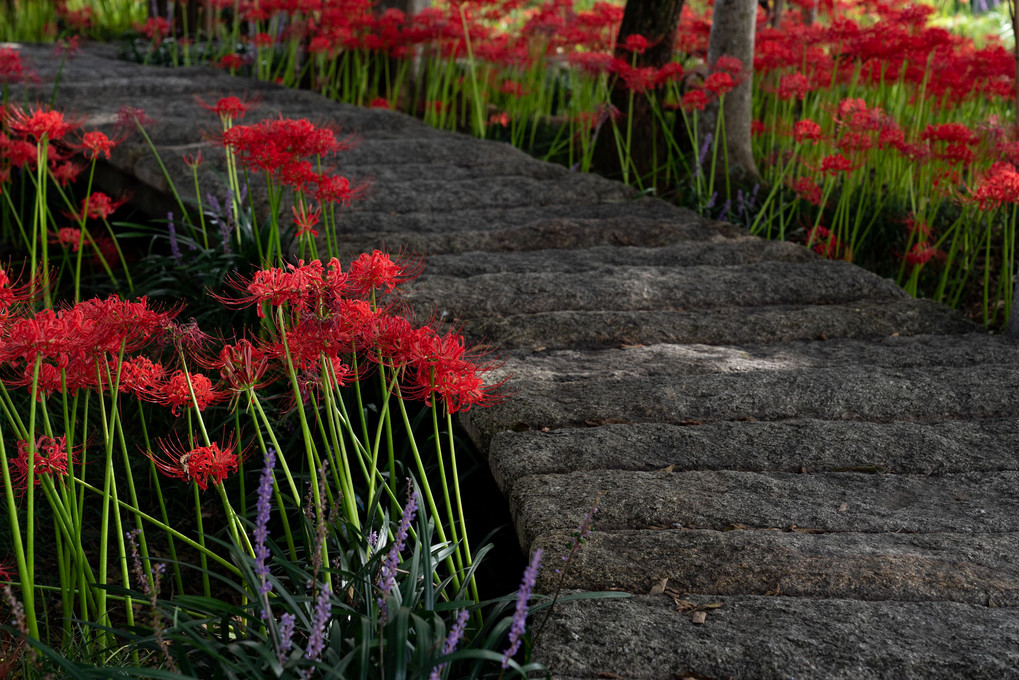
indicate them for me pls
(796, 446)
(797, 440)
(768, 638)
(745, 325)
(957, 567)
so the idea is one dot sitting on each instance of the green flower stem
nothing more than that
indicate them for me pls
(302, 416)
(468, 559)
(14, 524)
(296, 496)
(426, 489)
(226, 564)
(28, 578)
(453, 533)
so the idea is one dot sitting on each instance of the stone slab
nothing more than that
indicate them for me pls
(744, 325)
(641, 222)
(794, 446)
(970, 502)
(778, 638)
(930, 567)
(653, 288)
(576, 260)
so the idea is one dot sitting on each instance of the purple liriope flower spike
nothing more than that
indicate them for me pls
(319, 623)
(387, 574)
(520, 614)
(171, 229)
(286, 641)
(452, 640)
(262, 510)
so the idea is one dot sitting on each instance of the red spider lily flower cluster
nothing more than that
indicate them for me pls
(49, 458)
(202, 465)
(327, 317)
(999, 185)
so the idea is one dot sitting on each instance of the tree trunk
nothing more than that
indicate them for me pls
(733, 28)
(775, 17)
(655, 20)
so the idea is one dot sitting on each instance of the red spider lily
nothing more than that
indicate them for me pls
(176, 393)
(202, 464)
(18, 152)
(823, 242)
(155, 29)
(999, 185)
(66, 48)
(11, 295)
(306, 220)
(379, 103)
(807, 189)
(719, 83)
(274, 144)
(229, 109)
(12, 70)
(66, 173)
(730, 65)
(112, 325)
(806, 130)
(301, 285)
(635, 43)
(68, 237)
(375, 270)
(670, 73)
(139, 376)
(192, 161)
(50, 458)
(131, 116)
(242, 366)
(95, 144)
(443, 369)
(44, 335)
(793, 86)
(834, 164)
(231, 62)
(636, 80)
(98, 206)
(854, 114)
(921, 252)
(694, 100)
(39, 124)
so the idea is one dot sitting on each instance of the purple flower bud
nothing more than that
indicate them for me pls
(520, 615)
(262, 510)
(387, 574)
(452, 640)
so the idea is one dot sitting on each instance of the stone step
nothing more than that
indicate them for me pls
(744, 325)
(653, 288)
(969, 502)
(777, 638)
(897, 379)
(976, 569)
(611, 222)
(576, 260)
(522, 229)
(794, 446)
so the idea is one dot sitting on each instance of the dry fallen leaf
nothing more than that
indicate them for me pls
(699, 617)
(668, 468)
(659, 588)
(843, 507)
(735, 527)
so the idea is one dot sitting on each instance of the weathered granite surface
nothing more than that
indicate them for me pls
(823, 468)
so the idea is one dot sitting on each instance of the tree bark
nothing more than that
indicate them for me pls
(655, 20)
(733, 29)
